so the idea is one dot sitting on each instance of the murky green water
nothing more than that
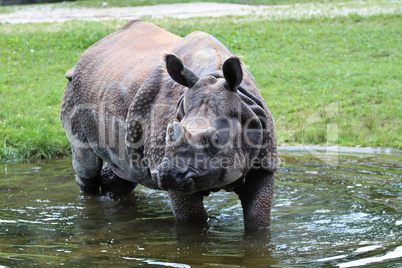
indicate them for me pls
(323, 216)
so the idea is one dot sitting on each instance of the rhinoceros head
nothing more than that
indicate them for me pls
(215, 135)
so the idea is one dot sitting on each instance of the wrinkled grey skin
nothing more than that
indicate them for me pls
(171, 113)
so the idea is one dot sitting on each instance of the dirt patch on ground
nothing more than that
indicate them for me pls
(48, 13)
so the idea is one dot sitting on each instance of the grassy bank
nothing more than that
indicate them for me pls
(316, 75)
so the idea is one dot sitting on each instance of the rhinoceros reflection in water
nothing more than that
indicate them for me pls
(171, 113)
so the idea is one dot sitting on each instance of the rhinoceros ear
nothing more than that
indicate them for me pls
(179, 72)
(233, 73)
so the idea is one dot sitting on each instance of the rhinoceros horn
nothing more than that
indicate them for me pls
(175, 131)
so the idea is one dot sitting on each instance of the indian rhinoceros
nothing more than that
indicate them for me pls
(145, 106)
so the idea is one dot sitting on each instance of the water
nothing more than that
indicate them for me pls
(346, 215)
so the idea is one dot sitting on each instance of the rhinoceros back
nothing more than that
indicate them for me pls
(110, 72)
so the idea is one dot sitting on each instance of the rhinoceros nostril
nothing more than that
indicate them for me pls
(188, 183)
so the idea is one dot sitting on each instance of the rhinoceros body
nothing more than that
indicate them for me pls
(144, 106)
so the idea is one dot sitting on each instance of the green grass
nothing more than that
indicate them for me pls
(301, 67)
(129, 3)
(124, 3)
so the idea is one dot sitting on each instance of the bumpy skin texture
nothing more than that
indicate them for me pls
(118, 108)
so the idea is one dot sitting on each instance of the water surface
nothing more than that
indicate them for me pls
(344, 215)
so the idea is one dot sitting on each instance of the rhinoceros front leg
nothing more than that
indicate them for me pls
(188, 207)
(87, 166)
(256, 198)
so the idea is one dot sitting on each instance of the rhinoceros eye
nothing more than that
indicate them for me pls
(213, 142)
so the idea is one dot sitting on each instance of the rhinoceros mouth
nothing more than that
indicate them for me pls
(185, 182)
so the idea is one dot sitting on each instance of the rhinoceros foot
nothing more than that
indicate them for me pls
(108, 183)
(88, 186)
